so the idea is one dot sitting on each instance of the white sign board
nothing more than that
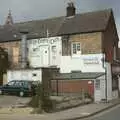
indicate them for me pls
(92, 58)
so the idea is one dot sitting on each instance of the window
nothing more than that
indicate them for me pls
(18, 83)
(54, 49)
(76, 49)
(11, 83)
(97, 84)
(34, 74)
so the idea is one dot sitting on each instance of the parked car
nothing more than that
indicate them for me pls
(19, 87)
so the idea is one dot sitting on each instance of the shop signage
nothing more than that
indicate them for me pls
(45, 41)
(91, 59)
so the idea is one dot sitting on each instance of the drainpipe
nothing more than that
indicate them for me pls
(104, 66)
(106, 83)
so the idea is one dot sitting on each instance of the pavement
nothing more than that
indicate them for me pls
(80, 112)
(111, 114)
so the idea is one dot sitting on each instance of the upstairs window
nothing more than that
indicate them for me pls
(76, 48)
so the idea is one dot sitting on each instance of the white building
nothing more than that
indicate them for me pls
(45, 52)
(90, 36)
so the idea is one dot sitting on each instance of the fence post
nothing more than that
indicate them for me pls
(83, 95)
(57, 86)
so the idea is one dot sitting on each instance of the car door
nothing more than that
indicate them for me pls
(17, 87)
(8, 88)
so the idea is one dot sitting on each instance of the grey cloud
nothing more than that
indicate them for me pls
(31, 9)
(24, 10)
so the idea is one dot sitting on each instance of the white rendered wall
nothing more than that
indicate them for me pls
(84, 63)
(100, 94)
(36, 56)
(119, 83)
(24, 75)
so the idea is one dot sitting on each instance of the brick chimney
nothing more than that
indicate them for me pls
(70, 9)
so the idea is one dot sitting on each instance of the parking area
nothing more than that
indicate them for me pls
(13, 101)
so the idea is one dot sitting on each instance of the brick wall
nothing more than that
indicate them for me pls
(71, 86)
(13, 51)
(110, 39)
(90, 42)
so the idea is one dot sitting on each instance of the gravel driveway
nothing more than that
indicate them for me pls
(13, 101)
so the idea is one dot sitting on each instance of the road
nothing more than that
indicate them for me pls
(112, 114)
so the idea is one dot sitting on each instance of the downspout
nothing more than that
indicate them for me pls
(104, 66)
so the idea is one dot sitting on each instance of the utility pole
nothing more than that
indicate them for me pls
(23, 48)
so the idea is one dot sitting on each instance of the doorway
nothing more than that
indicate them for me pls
(44, 55)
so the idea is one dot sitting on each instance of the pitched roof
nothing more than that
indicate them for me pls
(9, 33)
(77, 75)
(80, 23)
(87, 22)
(39, 28)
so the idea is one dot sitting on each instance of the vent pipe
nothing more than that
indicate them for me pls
(23, 49)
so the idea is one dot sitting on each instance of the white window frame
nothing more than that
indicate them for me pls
(78, 52)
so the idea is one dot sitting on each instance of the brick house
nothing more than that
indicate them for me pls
(88, 47)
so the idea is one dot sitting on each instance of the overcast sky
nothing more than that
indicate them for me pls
(24, 10)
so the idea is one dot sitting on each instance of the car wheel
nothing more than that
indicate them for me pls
(1, 92)
(21, 94)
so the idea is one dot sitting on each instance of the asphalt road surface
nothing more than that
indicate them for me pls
(112, 114)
